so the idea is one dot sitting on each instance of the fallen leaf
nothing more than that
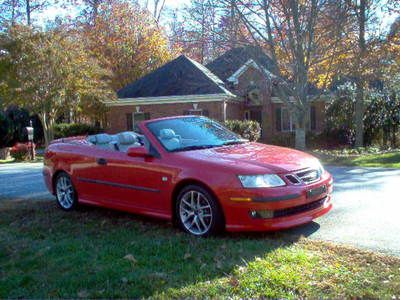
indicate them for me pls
(234, 281)
(83, 294)
(131, 258)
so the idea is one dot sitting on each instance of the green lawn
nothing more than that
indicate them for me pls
(97, 253)
(386, 160)
(39, 158)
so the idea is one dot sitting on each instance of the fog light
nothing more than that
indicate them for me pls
(262, 214)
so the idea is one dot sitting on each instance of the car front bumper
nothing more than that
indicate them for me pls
(272, 209)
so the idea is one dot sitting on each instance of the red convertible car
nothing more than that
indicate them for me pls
(193, 171)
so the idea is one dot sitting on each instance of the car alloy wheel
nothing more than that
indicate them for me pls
(65, 192)
(198, 212)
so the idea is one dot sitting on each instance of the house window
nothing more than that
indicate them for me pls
(132, 119)
(284, 120)
(247, 115)
(129, 122)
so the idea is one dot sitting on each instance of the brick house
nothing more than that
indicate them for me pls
(233, 86)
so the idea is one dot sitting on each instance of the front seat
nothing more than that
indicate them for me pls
(169, 139)
(103, 141)
(127, 140)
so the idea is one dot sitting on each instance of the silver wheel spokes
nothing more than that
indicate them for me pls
(195, 212)
(65, 192)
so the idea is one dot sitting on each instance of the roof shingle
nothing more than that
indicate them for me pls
(179, 77)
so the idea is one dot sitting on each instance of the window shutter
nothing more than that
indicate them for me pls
(278, 119)
(129, 122)
(313, 118)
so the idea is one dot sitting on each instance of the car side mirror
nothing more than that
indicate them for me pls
(138, 152)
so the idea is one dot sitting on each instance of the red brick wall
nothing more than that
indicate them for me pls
(235, 111)
(116, 117)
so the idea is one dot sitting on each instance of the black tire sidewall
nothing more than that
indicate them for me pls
(217, 224)
(75, 198)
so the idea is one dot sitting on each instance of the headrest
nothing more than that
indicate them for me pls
(103, 138)
(167, 134)
(126, 138)
(91, 139)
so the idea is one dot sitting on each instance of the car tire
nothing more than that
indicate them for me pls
(65, 192)
(198, 212)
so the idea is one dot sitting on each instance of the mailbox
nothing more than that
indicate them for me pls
(29, 131)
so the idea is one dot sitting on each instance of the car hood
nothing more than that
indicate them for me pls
(251, 156)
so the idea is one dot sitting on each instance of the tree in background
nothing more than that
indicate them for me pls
(205, 29)
(367, 56)
(304, 40)
(20, 11)
(49, 73)
(126, 40)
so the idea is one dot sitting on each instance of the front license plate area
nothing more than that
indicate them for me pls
(317, 191)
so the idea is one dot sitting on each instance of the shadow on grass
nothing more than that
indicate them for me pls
(95, 252)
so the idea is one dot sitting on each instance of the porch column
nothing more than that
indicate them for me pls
(224, 111)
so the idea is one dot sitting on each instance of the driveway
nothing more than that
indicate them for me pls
(22, 181)
(366, 209)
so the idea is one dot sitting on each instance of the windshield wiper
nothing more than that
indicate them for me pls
(194, 147)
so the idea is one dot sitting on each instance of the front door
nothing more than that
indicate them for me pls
(140, 183)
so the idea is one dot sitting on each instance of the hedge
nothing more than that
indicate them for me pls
(250, 130)
(74, 129)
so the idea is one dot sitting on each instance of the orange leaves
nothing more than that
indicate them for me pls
(126, 40)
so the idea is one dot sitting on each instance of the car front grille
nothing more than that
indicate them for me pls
(299, 209)
(304, 176)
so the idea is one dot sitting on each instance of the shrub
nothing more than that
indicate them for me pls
(74, 129)
(284, 139)
(20, 151)
(6, 131)
(250, 130)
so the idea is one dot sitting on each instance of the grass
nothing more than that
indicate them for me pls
(386, 160)
(39, 158)
(98, 253)
(6, 161)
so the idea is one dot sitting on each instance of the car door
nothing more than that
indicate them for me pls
(90, 175)
(140, 183)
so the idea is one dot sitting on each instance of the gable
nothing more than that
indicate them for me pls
(231, 61)
(179, 77)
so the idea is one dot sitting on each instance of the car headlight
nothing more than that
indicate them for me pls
(258, 181)
(320, 168)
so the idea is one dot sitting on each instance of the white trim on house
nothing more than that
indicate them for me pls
(234, 78)
(171, 99)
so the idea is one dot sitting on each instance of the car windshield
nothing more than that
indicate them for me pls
(191, 133)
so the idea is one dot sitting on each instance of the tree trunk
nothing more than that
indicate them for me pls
(48, 128)
(300, 133)
(394, 142)
(359, 105)
(359, 115)
(28, 12)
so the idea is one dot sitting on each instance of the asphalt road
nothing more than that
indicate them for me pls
(366, 209)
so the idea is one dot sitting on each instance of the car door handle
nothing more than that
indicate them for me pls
(101, 161)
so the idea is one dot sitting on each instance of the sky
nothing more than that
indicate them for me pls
(56, 9)
(72, 11)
